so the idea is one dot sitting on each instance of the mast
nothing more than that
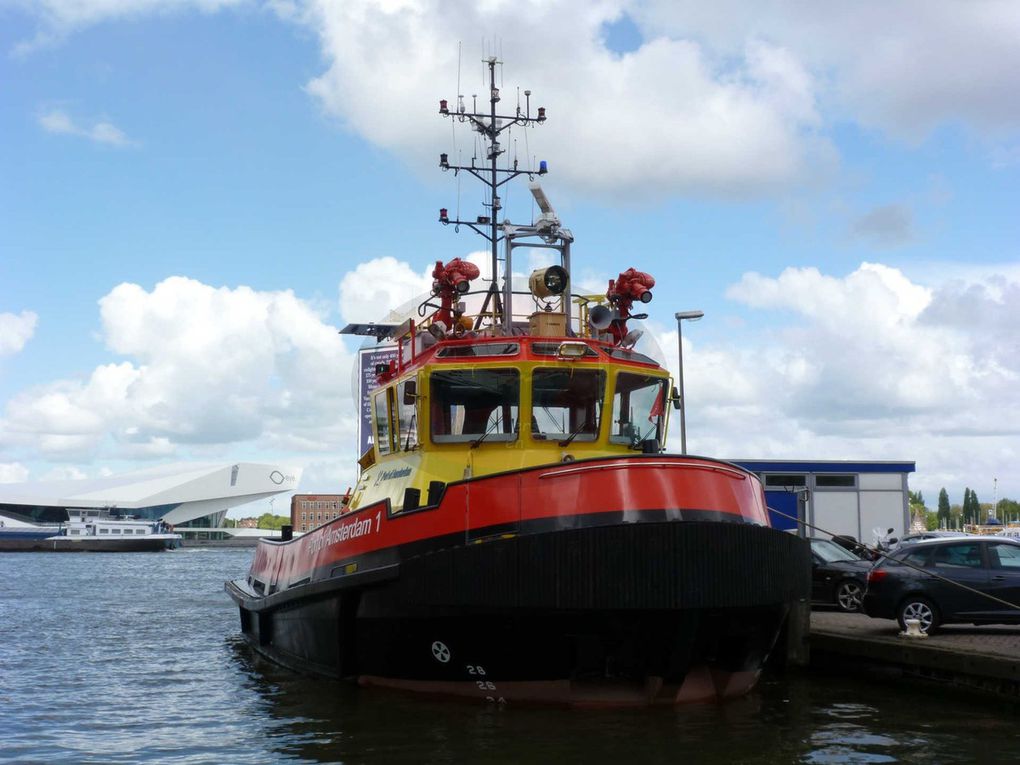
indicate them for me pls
(490, 125)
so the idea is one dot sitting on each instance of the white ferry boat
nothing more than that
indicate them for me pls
(91, 530)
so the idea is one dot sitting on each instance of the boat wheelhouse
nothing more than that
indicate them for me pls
(517, 531)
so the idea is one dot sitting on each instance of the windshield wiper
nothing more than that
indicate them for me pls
(566, 441)
(483, 436)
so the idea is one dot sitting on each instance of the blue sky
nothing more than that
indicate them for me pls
(281, 146)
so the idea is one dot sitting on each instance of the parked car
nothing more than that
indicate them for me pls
(909, 539)
(838, 577)
(922, 581)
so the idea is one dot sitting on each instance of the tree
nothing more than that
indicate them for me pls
(971, 506)
(915, 497)
(1007, 510)
(270, 521)
(943, 511)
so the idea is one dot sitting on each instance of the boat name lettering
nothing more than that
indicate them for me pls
(387, 475)
(357, 528)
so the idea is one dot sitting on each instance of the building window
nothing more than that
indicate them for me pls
(104, 531)
(835, 481)
(303, 516)
(785, 481)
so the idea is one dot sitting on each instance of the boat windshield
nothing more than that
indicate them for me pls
(467, 405)
(638, 409)
(567, 403)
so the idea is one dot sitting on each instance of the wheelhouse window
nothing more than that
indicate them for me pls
(471, 404)
(639, 408)
(407, 420)
(566, 403)
(381, 410)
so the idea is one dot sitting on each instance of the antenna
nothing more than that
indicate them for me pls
(488, 168)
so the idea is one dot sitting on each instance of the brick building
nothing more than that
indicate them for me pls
(309, 511)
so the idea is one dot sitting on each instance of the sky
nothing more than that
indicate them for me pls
(196, 194)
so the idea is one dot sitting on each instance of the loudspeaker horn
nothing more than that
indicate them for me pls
(600, 317)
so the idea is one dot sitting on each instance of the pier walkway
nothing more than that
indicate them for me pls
(984, 659)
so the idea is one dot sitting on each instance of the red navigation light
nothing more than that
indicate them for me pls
(443, 217)
(541, 114)
(443, 109)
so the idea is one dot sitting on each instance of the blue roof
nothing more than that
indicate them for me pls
(826, 466)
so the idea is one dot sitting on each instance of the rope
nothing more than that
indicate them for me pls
(924, 571)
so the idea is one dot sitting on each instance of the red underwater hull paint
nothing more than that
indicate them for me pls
(607, 485)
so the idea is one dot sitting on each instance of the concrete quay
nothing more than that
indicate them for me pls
(984, 659)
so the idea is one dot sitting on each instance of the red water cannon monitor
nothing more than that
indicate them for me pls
(448, 282)
(629, 286)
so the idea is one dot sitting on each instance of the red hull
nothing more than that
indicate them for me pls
(549, 497)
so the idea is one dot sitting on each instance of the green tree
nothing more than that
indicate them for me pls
(270, 521)
(943, 511)
(915, 498)
(971, 506)
(1007, 510)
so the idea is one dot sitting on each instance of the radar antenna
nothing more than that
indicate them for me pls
(491, 125)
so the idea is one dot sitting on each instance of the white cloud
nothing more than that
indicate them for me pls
(57, 121)
(204, 366)
(731, 98)
(16, 329)
(13, 472)
(905, 67)
(374, 288)
(870, 366)
(667, 117)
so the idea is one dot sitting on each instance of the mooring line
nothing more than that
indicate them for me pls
(922, 570)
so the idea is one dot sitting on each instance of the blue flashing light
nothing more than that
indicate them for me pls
(543, 167)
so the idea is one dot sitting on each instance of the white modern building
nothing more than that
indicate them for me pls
(181, 494)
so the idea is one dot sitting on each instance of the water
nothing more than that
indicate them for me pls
(108, 658)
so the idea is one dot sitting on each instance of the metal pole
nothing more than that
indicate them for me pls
(680, 316)
(680, 379)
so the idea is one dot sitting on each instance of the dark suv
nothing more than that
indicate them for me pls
(987, 565)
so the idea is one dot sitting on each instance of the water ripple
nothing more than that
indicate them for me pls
(137, 658)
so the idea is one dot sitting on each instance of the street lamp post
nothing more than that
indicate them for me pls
(680, 316)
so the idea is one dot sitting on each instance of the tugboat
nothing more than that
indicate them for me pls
(518, 532)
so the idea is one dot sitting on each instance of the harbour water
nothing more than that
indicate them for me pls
(123, 658)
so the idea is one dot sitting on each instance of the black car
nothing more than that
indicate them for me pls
(910, 539)
(838, 577)
(911, 583)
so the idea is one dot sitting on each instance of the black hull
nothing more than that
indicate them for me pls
(631, 614)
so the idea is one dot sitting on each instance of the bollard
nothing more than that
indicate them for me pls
(913, 630)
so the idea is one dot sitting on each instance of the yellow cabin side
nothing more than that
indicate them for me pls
(447, 421)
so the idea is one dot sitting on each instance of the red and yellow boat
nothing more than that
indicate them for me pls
(517, 531)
